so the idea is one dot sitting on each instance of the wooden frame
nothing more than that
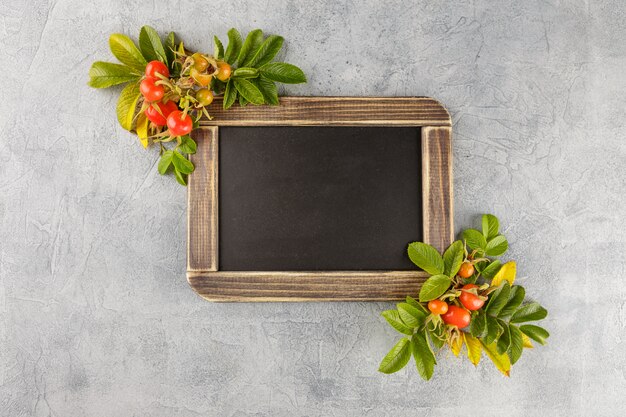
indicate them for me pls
(203, 271)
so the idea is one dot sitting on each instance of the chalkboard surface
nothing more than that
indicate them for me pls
(313, 198)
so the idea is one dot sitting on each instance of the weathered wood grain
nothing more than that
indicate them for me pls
(307, 286)
(334, 111)
(437, 193)
(202, 205)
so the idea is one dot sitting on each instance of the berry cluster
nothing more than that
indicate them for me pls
(469, 300)
(168, 90)
(169, 101)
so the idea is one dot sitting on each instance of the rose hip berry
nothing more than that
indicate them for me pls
(160, 119)
(470, 300)
(156, 67)
(179, 124)
(457, 316)
(466, 270)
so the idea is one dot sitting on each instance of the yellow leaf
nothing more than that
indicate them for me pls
(142, 129)
(127, 104)
(456, 344)
(527, 343)
(506, 273)
(502, 362)
(474, 348)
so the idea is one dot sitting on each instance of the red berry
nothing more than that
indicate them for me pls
(457, 316)
(150, 90)
(470, 300)
(160, 119)
(155, 67)
(179, 124)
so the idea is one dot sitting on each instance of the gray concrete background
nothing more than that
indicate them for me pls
(96, 318)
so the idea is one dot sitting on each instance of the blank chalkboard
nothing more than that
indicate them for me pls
(318, 198)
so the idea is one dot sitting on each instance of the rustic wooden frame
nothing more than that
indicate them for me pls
(203, 271)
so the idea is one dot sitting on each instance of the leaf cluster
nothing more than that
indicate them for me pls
(133, 59)
(255, 75)
(412, 319)
(498, 328)
(253, 80)
(129, 72)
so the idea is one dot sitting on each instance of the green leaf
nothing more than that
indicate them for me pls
(250, 46)
(283, 73)
(496, 246)
(249, 91)
(182, 164)
(434, 287)
(498, 299)
(218, 86)
(412, 301)
(410, 315)
(504, 341)
(453, 258)
(502, 362)
(478, 325)
(242, 101)
(529, 312)
(180, 177)
(165, 162)
(491, 226)
(426, 257)
(246, 72)
(474, 239)
(394, 320)
(268, 50)
(127, 104)
(423, 355)
(218, 49)
(187, 145)
(538, 334)
(230, 95)
(107, 74)
(492, 269)
(124, 49)
(170, 47)
(494, 330)
(150, 45)
(516, 296)
(234, 46)
(268, 89)
(517, 344)
(397, 358)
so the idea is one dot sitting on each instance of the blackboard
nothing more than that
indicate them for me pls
(316, 199)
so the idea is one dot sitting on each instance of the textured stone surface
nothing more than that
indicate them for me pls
(96, 318)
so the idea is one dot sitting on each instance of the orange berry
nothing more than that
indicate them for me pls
(466, 270)
(223, 71)
(438, 307)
